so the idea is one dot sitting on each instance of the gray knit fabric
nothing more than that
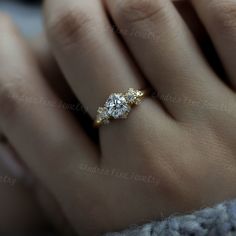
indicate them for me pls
(217, 221)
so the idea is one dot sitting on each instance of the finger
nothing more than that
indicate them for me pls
(17, 203)
(88, 52)
(14, 174)
(170, 57)
(190, 17)
(219, 19)
(58, 83)
(44, 134)
(96, 65)
(49, 67)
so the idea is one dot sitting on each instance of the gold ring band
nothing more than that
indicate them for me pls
(119, 105)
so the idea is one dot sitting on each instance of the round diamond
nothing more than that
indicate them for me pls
(117, 106)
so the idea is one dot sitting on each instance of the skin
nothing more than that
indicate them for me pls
(21, 200)
(184, 138)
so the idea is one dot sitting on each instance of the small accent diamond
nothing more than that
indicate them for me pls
(134, 96)
(102, 115)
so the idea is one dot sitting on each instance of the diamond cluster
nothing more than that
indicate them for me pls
(134, 96)
(118, 105)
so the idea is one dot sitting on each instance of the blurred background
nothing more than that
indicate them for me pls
(26, 14)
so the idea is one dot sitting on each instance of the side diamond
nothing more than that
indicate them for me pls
(134, 96)
(102, 115)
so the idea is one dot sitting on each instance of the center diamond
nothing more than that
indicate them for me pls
(117, 106)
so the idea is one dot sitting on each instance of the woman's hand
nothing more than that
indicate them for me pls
(19, 199)
(175, 150)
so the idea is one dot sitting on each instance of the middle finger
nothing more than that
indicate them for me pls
(170, 58)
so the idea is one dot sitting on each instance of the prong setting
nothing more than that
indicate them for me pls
(118, 106)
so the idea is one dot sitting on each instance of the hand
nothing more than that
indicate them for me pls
(23, 199)
(177, 137)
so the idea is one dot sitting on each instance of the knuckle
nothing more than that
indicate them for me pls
(141, 10)
(69, 27)
(224, 15)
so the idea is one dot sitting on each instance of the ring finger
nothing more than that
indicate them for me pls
(95, 65)
(89, 53)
